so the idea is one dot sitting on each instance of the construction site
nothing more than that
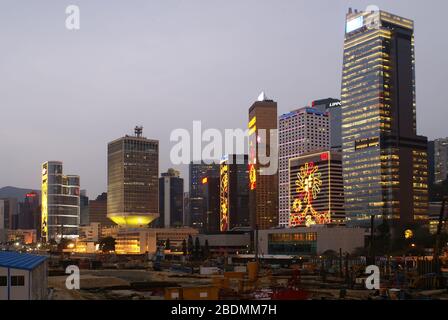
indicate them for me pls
(245, 278)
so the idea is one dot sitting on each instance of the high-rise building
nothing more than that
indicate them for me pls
(197, 171)
(334, 109)
(384, 160)
(234, 192)
(98, 211)
(438, 159)
(171, 200)
(29, 212)
(133, 180)
(263, 194)
(316, 189)
(84, 208)
(60, 203)
(300, 132)
(210, 187)
(10, 208)
(211, 200)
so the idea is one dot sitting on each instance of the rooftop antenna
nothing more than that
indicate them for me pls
(138, 131)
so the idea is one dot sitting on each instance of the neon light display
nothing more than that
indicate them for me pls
(252, 154)
(224, 197)
(252, 177)
(308, 186)
(44, 218)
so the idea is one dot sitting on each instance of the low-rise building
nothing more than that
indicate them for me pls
(23, 276)
(146, 240)
(227, 243)
(22, 236)
(90, 233)
(310, 241)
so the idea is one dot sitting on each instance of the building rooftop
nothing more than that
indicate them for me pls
(17, 260)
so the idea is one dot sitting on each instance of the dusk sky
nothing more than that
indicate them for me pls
(163, 64)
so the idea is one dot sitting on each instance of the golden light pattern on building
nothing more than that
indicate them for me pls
(44, 205)
(308, 186)
(224, 198)
(252, 153)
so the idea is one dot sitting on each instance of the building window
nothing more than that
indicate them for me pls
(3, 281)
(17, 281)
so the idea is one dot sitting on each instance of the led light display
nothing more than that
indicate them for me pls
(224, 197)
(308, 187)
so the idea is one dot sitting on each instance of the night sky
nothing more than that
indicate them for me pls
(162, 64)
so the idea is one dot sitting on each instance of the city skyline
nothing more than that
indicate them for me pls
(64, 77)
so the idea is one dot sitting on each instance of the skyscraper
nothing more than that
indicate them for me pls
(439, 160)
(197, 171)
(384, 160)
(171, 200)
(211, 203)
(300, 131)
(60, 203)
(234, 192)
(263, 194)
(133, 180)
(29, 212)
(334, 109)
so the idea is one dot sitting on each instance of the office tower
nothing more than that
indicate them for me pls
(300, 131)
(234, 192)
(211, 203)
(10, 218)
(84, 208)
(60, 203)
(334, 109)
(29, 212)
(98, 211)
(263, 194)
(132, 180)
(197, 171)
(316, 189)
(438, 159)
(384, 160)
(171, 200)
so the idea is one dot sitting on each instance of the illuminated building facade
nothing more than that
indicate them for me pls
(311, 241)
(133, 180)
(60, 203)
(171, 200)
(384, 160)
(300, 132)
(197, 171)
(263, 193)
(316, 190)
(234, 192)
(144, 241)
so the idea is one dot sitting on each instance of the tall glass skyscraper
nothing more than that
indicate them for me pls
(385, 161)
(133, 180)
(60, 203)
